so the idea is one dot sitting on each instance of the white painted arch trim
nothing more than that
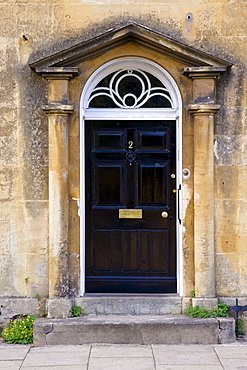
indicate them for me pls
(132, 63)
(131, 114)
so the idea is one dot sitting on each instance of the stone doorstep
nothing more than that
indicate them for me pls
(127, 304)
(96, 304)
(135, 329)
(117, 304)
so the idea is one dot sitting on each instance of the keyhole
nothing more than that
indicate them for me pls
(130, 145)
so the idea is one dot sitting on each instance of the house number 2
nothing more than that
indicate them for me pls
(130, 145)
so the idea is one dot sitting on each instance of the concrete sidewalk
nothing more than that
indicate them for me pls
(124, 357)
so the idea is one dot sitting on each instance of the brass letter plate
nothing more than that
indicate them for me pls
(130, 213)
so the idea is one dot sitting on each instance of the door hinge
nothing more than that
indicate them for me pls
(78, 204)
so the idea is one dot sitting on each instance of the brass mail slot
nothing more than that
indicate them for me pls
(130, 213)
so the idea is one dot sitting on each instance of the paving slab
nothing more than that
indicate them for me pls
(122, 363)
(189, 367)
(83, 349)
(232, 352)
(166, 356)
(121, 351)
(124, 357)
(59, 367)
(184, 347)
(13, 352)
(234, 364)
(10, 365)
(54, 358)
(201, 358)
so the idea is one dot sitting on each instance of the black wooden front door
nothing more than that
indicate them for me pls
(130, 165)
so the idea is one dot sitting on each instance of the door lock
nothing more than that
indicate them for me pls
(164, 214)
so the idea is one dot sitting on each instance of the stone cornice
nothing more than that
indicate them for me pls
(204, 72)
(201, 109)
(59, 109)
(58, 73)
(131, 32)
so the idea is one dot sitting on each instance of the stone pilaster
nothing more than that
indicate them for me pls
(58, 111)
(203, 110)
(204, 201)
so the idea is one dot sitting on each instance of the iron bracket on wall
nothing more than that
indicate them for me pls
(237, 309)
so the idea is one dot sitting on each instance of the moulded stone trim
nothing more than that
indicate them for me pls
(131, 32)
(58, 109)
(204, 72)
(203, 108)
(57, 72)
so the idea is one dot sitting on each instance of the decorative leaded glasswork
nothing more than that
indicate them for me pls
(130, 89)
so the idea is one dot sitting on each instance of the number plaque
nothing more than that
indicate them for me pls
(130, 213)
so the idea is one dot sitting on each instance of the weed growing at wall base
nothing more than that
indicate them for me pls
(77, 311)
(198, 311)
(19, 330)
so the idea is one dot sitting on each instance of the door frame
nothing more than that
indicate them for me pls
(174, 113)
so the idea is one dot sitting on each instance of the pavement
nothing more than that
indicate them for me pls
(124, 357)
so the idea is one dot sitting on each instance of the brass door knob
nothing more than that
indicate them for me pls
(164, 214)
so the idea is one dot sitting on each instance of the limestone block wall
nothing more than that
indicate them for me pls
(231, 160)
(34, 29)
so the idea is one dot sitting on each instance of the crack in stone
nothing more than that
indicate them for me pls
(226, 332)
(220, 331)
(141, 333)
(51, 325)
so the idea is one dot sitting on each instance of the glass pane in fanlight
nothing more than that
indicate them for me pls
(125, 86)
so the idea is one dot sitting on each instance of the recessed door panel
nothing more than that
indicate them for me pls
(108, 184)
(152, 184)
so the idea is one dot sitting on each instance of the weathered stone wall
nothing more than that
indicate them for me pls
(231, 159)
(31, 30)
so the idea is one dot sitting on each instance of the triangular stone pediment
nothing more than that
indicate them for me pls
(187, 55)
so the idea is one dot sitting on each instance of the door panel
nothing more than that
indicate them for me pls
(152, 184)
(129, 166)
(108, 184)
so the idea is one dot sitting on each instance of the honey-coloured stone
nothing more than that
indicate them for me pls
(40, 153)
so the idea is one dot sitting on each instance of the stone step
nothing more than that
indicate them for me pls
(127, 304)
(133, 329)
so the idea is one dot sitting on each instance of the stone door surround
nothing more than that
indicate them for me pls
(203, 69)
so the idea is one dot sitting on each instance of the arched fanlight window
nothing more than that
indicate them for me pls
(130, 88)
